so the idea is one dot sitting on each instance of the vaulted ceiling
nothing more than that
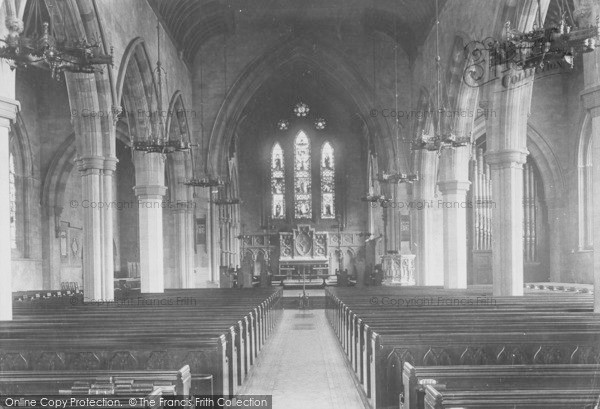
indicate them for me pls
(192, 22)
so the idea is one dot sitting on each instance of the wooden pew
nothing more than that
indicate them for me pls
(493, 377)
(105, 388)
(144, 337)
(515, 398)
(52, 382)
(59, 323)
(378, 340)
(384, 380)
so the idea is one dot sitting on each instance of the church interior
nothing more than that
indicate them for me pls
(315, 204)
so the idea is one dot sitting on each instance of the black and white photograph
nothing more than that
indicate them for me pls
(300, 204)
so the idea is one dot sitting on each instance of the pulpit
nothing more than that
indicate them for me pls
(398, 269)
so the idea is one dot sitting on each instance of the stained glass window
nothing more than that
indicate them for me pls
(327, 182)
(277, 183)
(302, 182)
(12, 195)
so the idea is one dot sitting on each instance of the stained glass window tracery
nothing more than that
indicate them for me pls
(277, 183)
(327, 182)
(302, 177)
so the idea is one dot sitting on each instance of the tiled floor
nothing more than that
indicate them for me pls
(303, 366)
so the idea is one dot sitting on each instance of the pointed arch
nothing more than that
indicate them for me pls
(58, 173)
(178, 165)
(23, 173)
(302, 177)
(585, 204)
(136, 89)
(330, 64)
(328, 208)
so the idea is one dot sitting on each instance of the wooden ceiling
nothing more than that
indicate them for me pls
(193, 22)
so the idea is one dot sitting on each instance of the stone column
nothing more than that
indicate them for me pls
(507, 221)
(392, 220)
(8, 112)
(591, 101)
(108, 215)
(185, 245)
(506, 154)
(215, 238)
(150, 190)
(189, 226)
(9, 25)
(97, 193)
(454, 165)
(556, 215)
(428, 247)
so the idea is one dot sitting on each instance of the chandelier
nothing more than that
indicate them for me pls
(223, 201)
(156, 141)
(206, 181)
(397, 178)
(440, 141)
(46, 51)
(373, 198)
(380, 199)
(543, 45)
(227, 202)
(443, 134)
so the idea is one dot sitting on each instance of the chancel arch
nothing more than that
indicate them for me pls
(320, 62)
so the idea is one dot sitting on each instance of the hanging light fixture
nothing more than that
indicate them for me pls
(205, 181)
(371, 197)
(156, 141)
(443, 134)
(223, 201)
(542, 45)
(43, 50)
(397, 177)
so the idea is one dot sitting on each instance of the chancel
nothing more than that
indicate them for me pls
(301, 204)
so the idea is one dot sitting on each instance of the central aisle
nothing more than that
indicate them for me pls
(303, 366)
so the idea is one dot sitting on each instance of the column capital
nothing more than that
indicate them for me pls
(8, 111)
(150, 191)
(454, 186)
(591, 99)
(507, 157)
(110, 163)
(97, 163)
(90, 162)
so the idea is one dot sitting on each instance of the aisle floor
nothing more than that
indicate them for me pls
(303, 366)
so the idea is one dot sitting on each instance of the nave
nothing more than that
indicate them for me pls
(370, 347)
(171, 170)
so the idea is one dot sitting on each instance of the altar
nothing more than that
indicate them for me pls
(303, 256)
